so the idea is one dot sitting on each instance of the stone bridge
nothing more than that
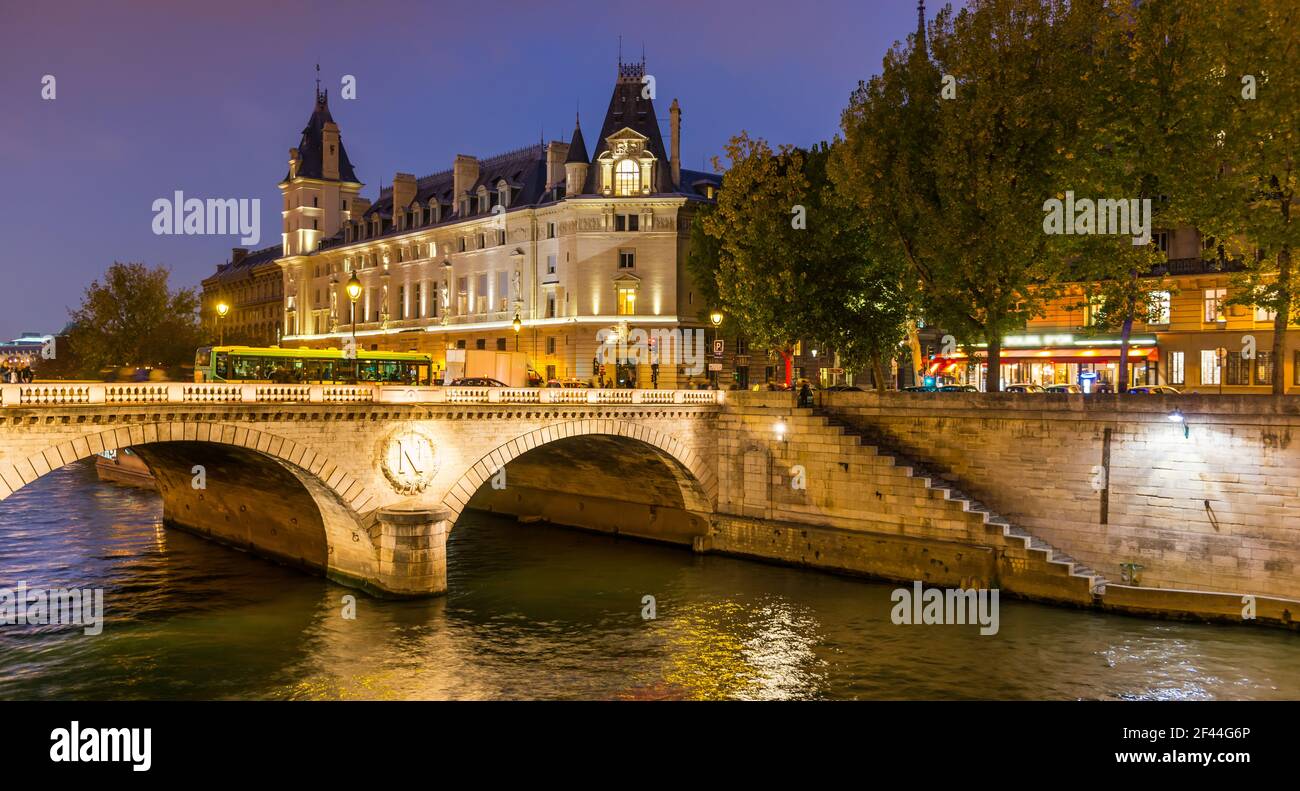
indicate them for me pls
(1095, 501)
(364, 482)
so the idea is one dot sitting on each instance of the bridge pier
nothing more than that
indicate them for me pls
(411, 548)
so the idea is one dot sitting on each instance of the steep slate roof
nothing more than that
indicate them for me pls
(246, 265)
(628, 109)
(577, 146)
(690, 178)
(523, 169)
(311, 151)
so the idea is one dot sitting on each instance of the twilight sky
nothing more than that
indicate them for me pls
(155, 97)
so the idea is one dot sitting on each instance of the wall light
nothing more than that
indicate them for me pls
(779, 428)
(1177, 417)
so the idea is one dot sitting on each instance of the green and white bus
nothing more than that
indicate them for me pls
(272, 364)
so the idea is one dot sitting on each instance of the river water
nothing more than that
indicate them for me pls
(544, 612)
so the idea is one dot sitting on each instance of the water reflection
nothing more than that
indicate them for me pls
(535, 612)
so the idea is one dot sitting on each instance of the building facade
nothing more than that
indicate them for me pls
(570, 244)
(1181, 348)
(251, 285)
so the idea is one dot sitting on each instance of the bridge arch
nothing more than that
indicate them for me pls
(316, 514)
(295, 454)
(681, 469)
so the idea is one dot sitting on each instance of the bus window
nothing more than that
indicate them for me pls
(223, 368)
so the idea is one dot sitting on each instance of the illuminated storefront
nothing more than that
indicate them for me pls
(1055, 358)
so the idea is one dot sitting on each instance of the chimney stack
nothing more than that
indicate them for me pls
(675, 153)
(329, 155)
(403, 193)
(238, 254)
(556, 153)
(464, 175)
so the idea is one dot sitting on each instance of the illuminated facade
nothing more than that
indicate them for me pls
(1180, 349)
(570, 245)
(251, 285)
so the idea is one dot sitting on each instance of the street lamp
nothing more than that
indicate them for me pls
(716, 319)
(354, 292)
(222, 310)
(517, 324)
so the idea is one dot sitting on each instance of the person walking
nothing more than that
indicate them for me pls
(805, 396)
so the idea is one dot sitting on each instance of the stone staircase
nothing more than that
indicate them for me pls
(934, 479)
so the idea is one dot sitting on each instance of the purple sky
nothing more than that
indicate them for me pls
(208, 99)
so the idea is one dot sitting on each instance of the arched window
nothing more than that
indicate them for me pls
(627, 177)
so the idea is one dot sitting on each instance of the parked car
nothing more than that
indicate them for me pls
(568, 383)
(959, 389)
(1026, 387)
(1064, 389)
(921, 389)
(1154, 390)
(478, 381)
(843, 389)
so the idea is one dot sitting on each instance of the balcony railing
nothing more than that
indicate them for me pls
(81, 394)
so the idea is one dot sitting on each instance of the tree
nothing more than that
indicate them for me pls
(793, 259)
(1135, 137)
(875, 318)
(952, 155)
(883, 163)
(765, 272)
(133, 318)
(1244, 191)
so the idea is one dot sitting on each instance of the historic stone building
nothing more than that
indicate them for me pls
(251, 285)
(1197, 312)
(568, 241)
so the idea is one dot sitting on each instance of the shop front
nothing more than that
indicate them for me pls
(1091, 362)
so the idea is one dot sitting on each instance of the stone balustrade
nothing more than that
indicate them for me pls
(71, 394)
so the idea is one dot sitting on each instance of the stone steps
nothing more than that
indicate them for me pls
(935, 479)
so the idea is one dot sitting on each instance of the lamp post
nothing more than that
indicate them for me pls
(222, 310)
(518, 325)
(715, 318)
(354, 292)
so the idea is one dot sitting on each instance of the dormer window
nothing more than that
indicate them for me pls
(627, 177)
